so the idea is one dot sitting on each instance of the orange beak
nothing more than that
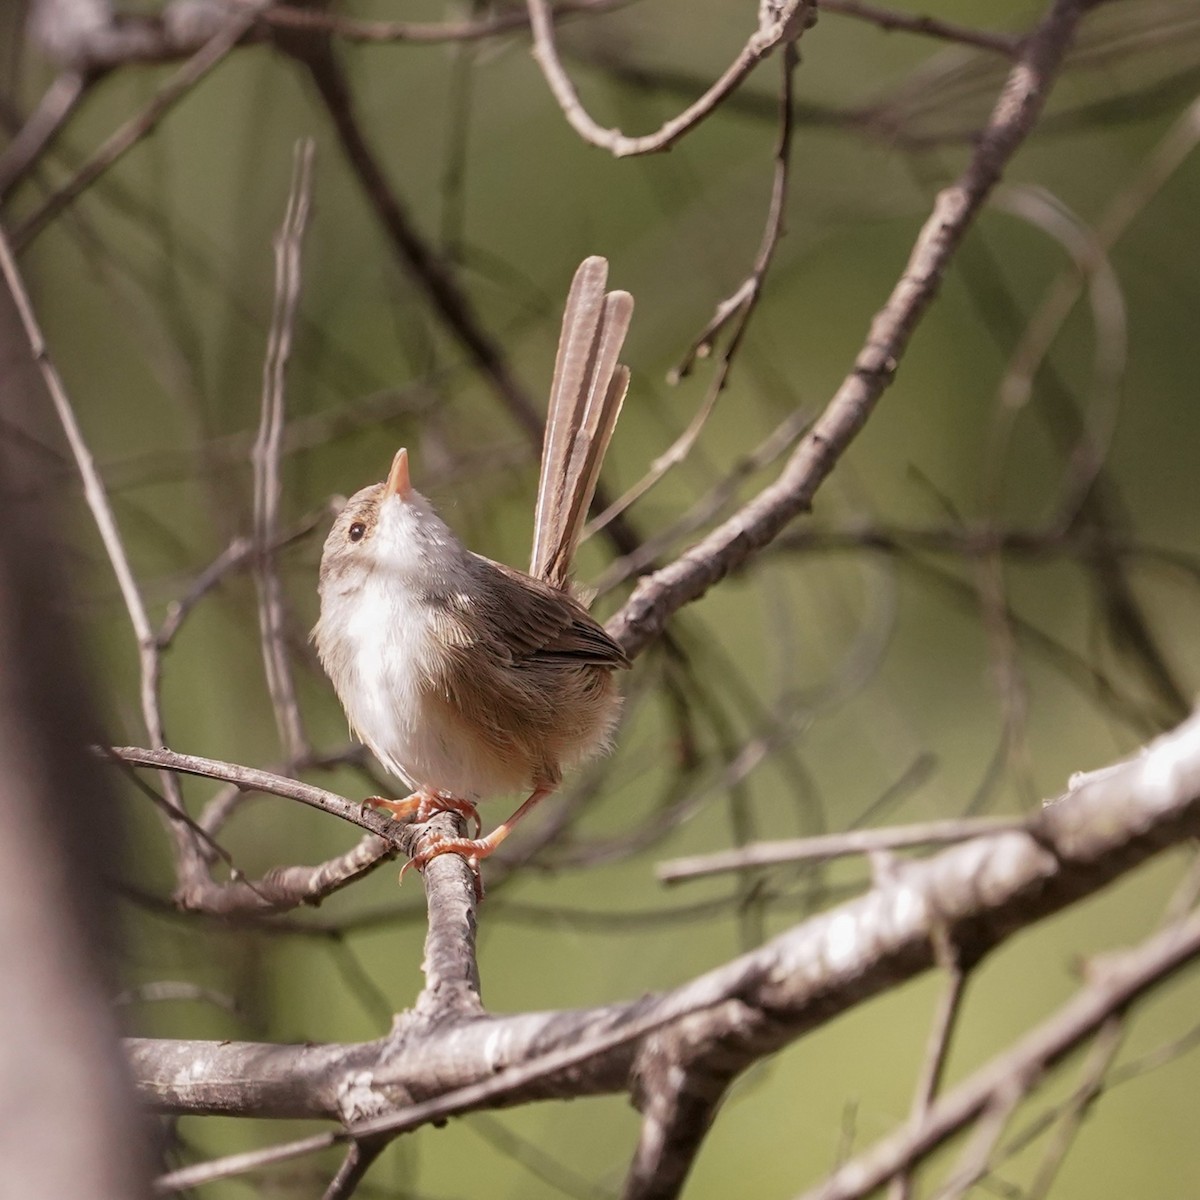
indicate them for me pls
(398, 483)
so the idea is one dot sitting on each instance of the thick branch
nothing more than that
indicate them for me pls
(976, 895)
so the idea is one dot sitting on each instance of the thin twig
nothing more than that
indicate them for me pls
(562, 1179)
(833, 845)
(994, 610)
(284, 887)
(353, 29)
(188, 858)
(737, 308)
(937, 1050)
(1124, 981)
(138, 126)
(989, 1129)
(251, 779)
(778, 25)
(947, 31)
(266, 455)
(238, 554)
(1101, 1057)
(239, 551)
(43, 125)
(1152, 1060)
(777, 443)
(359, 1157)
(1090, 264)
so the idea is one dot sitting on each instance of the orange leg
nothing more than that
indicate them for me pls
(420, 806)
(473, 849)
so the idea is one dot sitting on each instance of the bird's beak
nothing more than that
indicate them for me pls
(398, 483)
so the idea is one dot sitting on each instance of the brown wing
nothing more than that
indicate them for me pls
(530, 621)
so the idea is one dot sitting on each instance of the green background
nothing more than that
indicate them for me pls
(855, 665)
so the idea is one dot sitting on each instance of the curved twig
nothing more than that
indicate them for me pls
(778, 25)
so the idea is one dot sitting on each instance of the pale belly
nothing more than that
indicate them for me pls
(391, 710)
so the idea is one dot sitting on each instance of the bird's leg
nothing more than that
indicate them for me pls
(473, 849)
(420, 806)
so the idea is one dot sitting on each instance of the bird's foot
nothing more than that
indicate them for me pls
(471, 850)
(421, 806)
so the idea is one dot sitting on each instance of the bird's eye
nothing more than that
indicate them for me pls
(356, 531)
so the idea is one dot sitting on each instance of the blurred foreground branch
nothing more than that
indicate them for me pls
(59, 1052)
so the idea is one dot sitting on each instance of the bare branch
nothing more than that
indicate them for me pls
(1121, 982)
(53, 111)
(252, 780)
(285, 887)
(936, 1051)
(1024, 94)
(947, 31)
(350, 29)
(266, 454)
(359, 1157)
(976, 895)
(833, 845)
(779, 25)
(128, 135)
(452, 989)
(451, 946)
(188, 863)
(736, 309)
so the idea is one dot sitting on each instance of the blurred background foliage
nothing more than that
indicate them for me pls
(833, 684)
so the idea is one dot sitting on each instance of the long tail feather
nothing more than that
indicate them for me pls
(585, 400)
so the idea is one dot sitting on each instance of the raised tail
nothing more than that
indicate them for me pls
(586, 395)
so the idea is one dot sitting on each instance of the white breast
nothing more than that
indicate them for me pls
(386, 638)
(376, 638)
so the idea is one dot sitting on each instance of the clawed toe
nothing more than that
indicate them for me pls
(435, 845)
(433, 804)
(423, 806)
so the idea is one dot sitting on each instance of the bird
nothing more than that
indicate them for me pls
(467, 678)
